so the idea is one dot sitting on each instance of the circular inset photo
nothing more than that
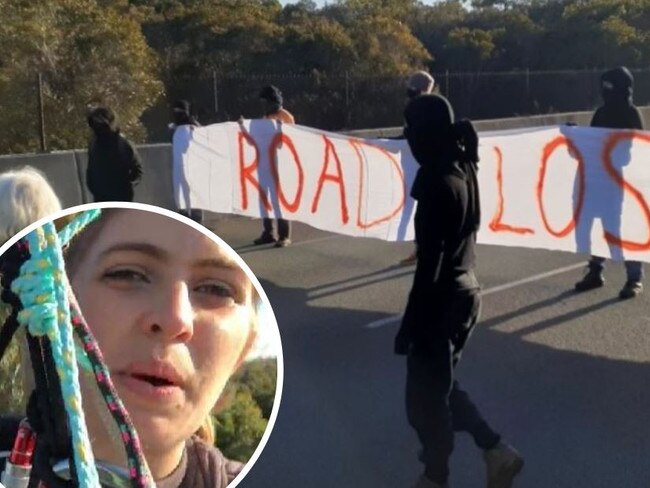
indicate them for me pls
(138, 350)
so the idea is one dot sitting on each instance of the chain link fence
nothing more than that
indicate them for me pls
(347, 102)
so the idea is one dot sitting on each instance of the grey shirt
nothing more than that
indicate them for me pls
(202, 466)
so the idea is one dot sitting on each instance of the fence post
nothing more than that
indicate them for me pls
(41, 114)
(348, 115)
(528, 104)
(347, 90)
(447, 83)
(215, 92)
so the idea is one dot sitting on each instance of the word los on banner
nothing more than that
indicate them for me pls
(613, 140)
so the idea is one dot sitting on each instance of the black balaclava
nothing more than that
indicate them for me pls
(617, 86)
(439, 144)
(273, 98)
(428, 127)
(103, 122)
(181, 113)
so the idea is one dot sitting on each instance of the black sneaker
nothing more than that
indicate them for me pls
(592, 280)
(631, 289)
(264, 239)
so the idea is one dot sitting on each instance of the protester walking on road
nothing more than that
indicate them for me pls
(114, 166)
(419, 83)
(617, 112)
(271, 98)
(444, 302)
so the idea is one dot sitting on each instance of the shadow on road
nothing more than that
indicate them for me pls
(578, 419)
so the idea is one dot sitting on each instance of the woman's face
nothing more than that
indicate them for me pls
(172, 315)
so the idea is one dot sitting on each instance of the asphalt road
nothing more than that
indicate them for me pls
(565, 377)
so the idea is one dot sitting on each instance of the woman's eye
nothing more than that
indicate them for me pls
(216, 289)
(126, 275)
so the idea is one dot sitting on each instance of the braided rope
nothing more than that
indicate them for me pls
(77, 224)
(51, 310)
(41, 288)
(137, 467)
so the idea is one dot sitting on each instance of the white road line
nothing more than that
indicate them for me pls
(538, 277)
(488, 291)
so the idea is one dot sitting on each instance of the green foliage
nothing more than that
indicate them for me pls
(13, 399)
(125, 53)
(87, 52)
(240, 426)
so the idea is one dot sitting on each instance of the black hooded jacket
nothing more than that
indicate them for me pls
(447, 215)
(114, 166)
(617, 111)
(446, 188)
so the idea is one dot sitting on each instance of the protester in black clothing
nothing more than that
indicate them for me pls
(182, 115)
(272, 106)
(444, 302)
(114, 166)
(419, 83)
(617, 112)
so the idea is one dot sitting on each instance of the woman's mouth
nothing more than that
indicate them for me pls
(154, 381)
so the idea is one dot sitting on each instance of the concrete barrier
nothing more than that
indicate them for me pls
(60, 168)
(579, 118)
(66, 170)
(156, 185)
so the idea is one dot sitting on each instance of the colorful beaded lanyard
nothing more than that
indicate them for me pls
(49, 309)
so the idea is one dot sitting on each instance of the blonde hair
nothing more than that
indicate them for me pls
(25, 197)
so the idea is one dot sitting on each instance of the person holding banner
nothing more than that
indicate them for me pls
(617, 112)
(271, 98)
(444, 302)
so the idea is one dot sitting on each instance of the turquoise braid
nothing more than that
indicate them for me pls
(41, 287)
(78, 223)
(43, 290)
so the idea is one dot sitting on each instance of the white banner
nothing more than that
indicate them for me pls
(566, 188)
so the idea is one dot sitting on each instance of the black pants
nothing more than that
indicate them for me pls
(436, 405)
(284, 228)
(196, 214)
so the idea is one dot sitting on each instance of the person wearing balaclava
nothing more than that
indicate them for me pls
(617, 112)
(444, 301)
(271, 99)
(114, 166)
(419, 83)
(182, 115)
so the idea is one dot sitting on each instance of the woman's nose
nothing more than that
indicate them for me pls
(173, 317)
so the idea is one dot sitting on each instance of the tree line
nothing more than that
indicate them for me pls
(135, 55)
